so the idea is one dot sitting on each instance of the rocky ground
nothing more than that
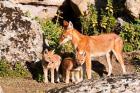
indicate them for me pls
(117, 83)
(21, 41)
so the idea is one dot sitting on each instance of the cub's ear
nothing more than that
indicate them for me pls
(46, 51)
(53, 51)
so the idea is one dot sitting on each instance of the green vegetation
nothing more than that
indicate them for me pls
(52, 32)
(108, 21)
(105, 22)
(131, 36)
(8, 70)
(96, 22)
(90, 22)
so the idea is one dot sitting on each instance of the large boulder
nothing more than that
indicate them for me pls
(80, 6)
(48, 8)
(133, 7)
(117, 84)
(43, 9)
(20, 37)
(39, 11)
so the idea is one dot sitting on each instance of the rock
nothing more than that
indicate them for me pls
(20, 37)
(120, 21)
(44, 2)
(47, 9)
(117, 84)
(41, 12)
(80, 6)
(43, 9)
(133, 8)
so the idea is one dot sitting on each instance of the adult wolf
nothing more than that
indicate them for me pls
(93, 46)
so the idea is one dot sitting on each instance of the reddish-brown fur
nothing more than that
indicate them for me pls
(93, 46)
(70, 69)
(50, 62)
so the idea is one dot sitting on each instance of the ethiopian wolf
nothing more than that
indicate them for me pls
(50, 62)
(93, 46)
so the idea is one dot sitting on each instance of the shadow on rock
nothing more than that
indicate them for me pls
(136, 62)
(99, 68)
(36, 70)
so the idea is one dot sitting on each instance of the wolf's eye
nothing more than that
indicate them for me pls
(63, 36)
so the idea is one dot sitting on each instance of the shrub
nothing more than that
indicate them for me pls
(8, 70)
(90, 21)
(19, 70)
(5, 68)
(52, 32)
(93, 23)
(131, 35)
(107, 21)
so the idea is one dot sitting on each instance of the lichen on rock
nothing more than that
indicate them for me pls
(118, 84)
(20, 37)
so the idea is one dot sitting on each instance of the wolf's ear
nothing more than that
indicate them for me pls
(70, 26)
(67, 25)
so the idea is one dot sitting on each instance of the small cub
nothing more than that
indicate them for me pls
(71, 71)
(50, 62)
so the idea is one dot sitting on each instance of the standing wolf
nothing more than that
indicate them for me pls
(93, 46)
(50, 62)
(71, 70)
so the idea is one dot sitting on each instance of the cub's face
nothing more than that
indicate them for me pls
(80, 56)
(48, 56)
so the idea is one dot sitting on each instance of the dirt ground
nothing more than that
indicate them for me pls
(20, 85)
(28, 85)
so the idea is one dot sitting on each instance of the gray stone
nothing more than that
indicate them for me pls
(20, 37)
(133, 8)
(116, 84)
(34, 8)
